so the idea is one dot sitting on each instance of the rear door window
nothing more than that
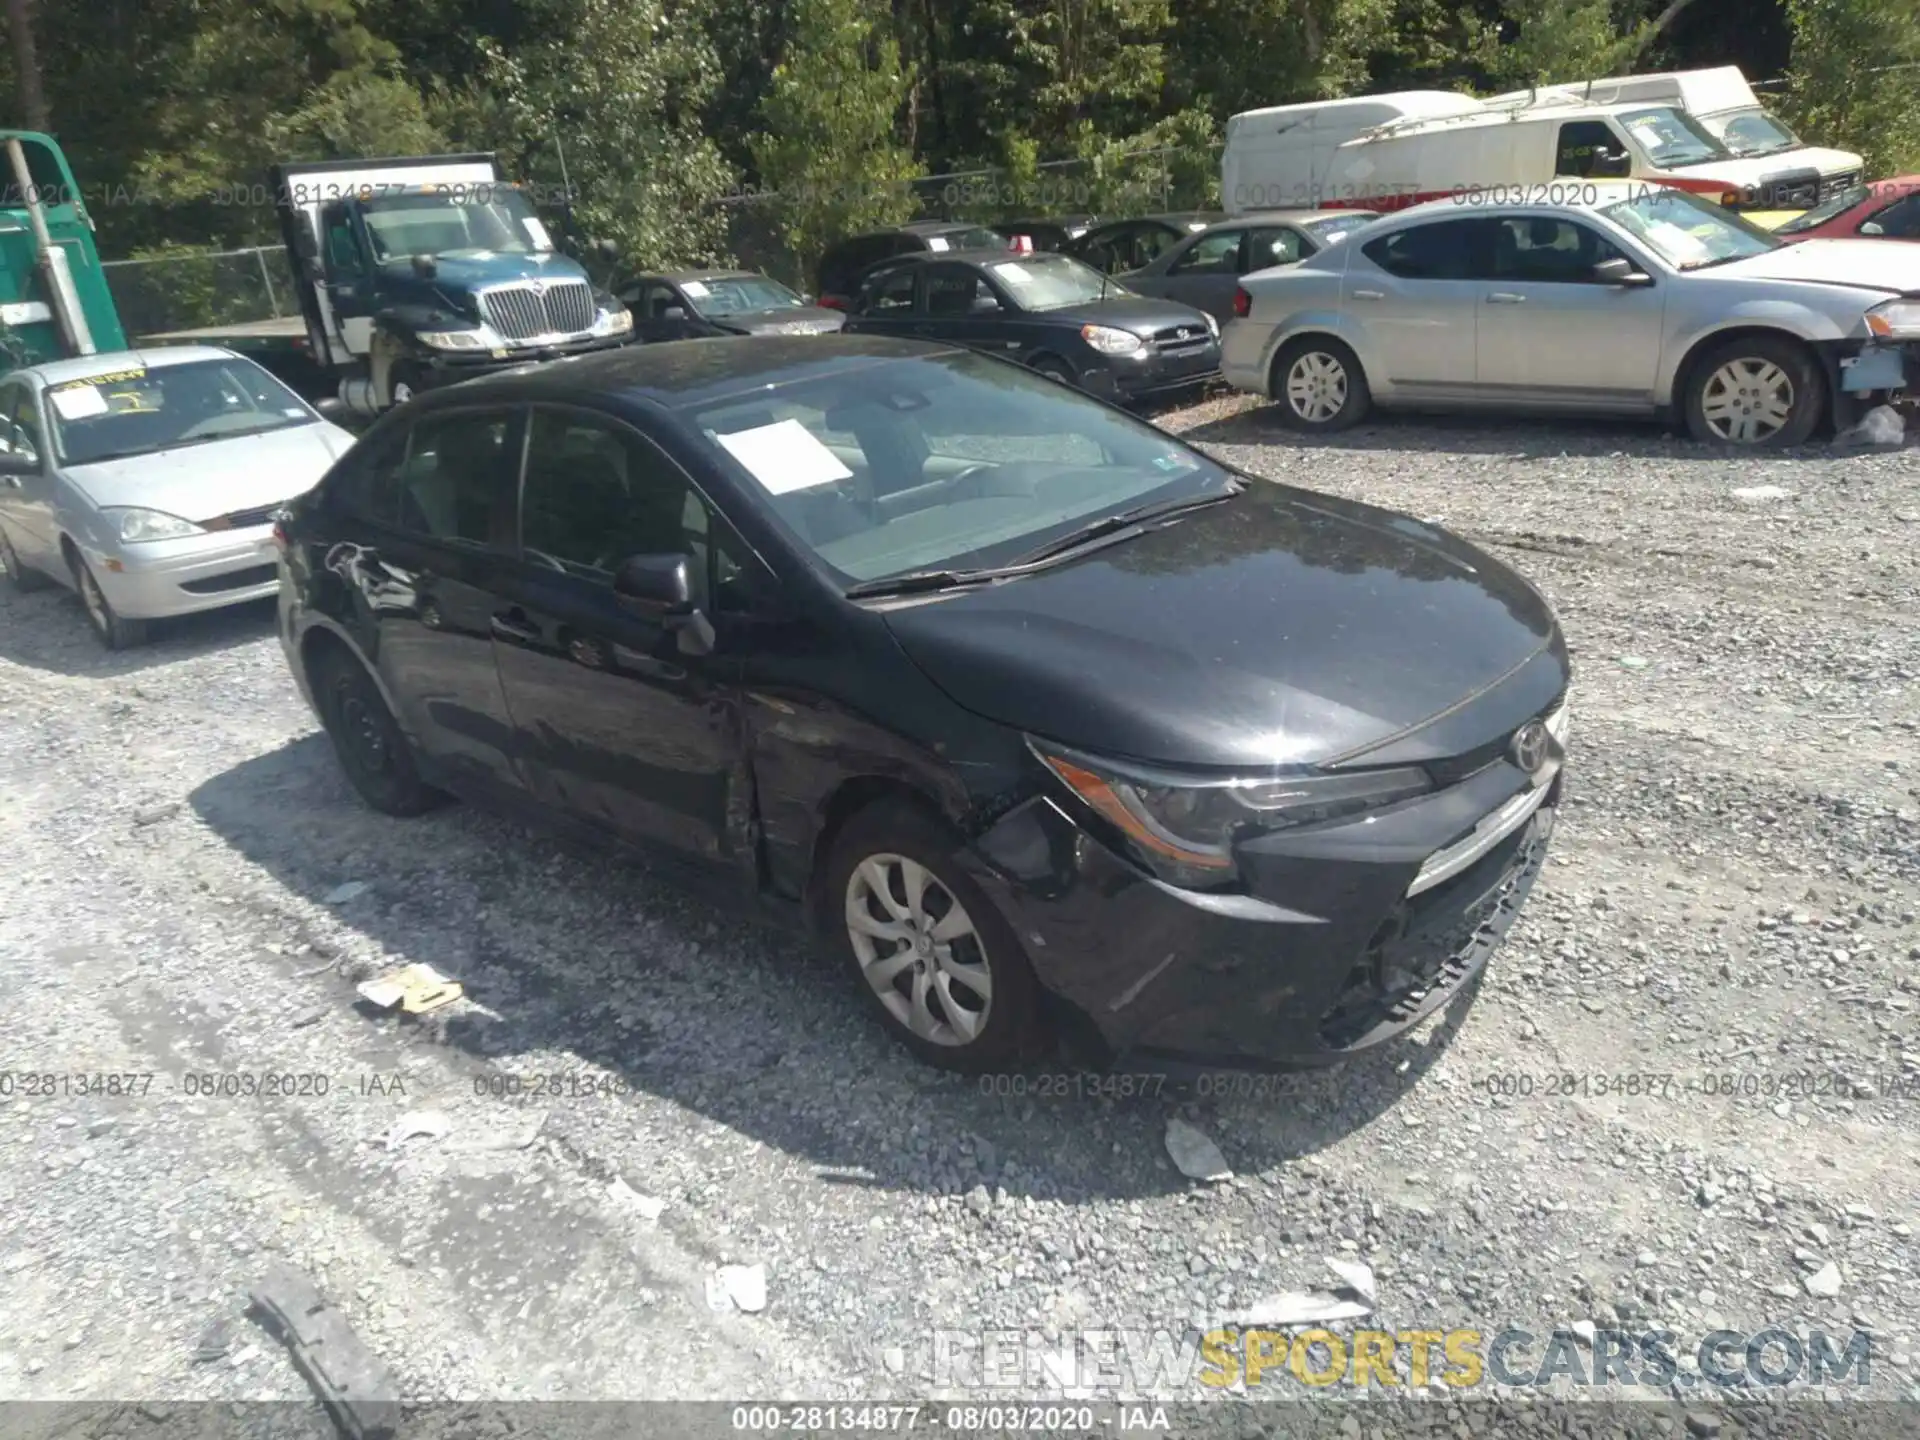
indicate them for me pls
(1441, 250)
(461, 478)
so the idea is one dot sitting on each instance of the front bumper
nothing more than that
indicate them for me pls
(158, 579)
(450, 367)
(1348, 935)
(1157, 373)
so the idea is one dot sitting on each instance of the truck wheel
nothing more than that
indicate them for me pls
(403, 383)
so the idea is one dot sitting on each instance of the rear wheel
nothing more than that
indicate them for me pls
(1761, 391)
(368, 740)
(946, 973)
(18, 575)
(1319, 385)
(116, 631)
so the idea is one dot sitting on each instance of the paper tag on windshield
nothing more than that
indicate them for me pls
(785, 457)
(936, 242)
(80, 402)
(536, 232)
(694, 288)
(1014, 274)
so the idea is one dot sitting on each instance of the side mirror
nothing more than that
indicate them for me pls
(304, 245)
(674, 312)
(15, 462)
(424, 267)
(984, 305)
(1872, 227)
(1611, 164)
(607, 249)
(316, 270)
(662, 583)
(1618, 271)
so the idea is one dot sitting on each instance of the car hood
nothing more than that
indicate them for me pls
(201, 482)
(806, 320)
(462, 270)
(1280, 627)
(1140, 314)
(1765, 169)
(1866, 264)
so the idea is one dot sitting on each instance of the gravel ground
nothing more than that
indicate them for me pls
(193, 890)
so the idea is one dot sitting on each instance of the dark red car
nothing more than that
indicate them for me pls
(1883, 210)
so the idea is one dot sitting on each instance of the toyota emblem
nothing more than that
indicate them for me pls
(1530, 747)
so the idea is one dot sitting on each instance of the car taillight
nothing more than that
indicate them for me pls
(1242, 302)
(1022, 244)
(831, 302)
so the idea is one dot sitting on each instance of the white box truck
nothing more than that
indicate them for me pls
(1280, 158)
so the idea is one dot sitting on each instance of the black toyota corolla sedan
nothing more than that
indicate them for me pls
(1046, 723)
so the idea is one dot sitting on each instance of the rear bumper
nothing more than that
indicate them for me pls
(185, 576)
(1348, 935)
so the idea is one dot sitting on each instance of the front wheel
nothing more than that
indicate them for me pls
(1319, 385)
(1762, 392)
(946, 973)
(115, 631)
(1057, 370)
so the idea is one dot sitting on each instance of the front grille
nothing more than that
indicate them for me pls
(244, 519)
(1176, 338)
(1838, 185)
(232, 580)
(563, 308)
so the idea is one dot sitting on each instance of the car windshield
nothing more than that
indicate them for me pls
(1672, 137)
(976, 238)
(1750, 132)
(1338, 227)
(740, 295)
(142, 410)
(496, 218)
(1820, 214)
(953, 461)
(1053, 282)
(1687, 232)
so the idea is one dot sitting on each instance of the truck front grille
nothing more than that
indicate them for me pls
(519, 313)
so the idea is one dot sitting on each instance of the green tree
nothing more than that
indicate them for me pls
(829, 143)
(1283, 51)
(1855, 78)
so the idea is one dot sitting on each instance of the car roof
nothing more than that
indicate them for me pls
(680, 277)
(679, 374)
(116, 362)
(1582, 195)
(1305, 215)
(937, 227)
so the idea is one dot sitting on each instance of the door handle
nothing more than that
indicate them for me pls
(514, 625)
(1369, 294)
(1505, 297)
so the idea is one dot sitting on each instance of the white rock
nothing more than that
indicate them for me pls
(744, 1285)
(417, 1124)
(1824, 1282)
(1763, 492)
(647, 1207)
(1193, 1154)
(352, 890)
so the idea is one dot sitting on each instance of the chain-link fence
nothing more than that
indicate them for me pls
(159, 293)
(1136, 183)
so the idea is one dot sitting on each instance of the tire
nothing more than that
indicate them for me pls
(1761, 392)
(1319, 385)
(880, 847)
(115, 631)
(373, 752)
(22, 579)
(1055, 369)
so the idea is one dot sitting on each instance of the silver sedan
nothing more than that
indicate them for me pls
(1625, 299)
(1203, 269)
(147, 481)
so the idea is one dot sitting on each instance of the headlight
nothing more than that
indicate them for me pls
(1895, 320)
(480, 337)
(1109, 341)
(1183, 826)
(136, 524)
(615, 321)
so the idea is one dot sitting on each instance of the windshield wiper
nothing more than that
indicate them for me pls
(1108, 525)
(918, 582)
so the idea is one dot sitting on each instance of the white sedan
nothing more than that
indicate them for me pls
(148, 481)
(1617, 298)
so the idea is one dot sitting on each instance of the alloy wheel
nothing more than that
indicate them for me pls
(1747, 400)
(918, 949)
(1316, 386)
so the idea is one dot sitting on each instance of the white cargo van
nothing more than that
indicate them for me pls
(1277, 158)
(1799, 176)
(1521, 143)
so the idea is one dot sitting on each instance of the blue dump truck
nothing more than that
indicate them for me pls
(54, 300)
(415, 272)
